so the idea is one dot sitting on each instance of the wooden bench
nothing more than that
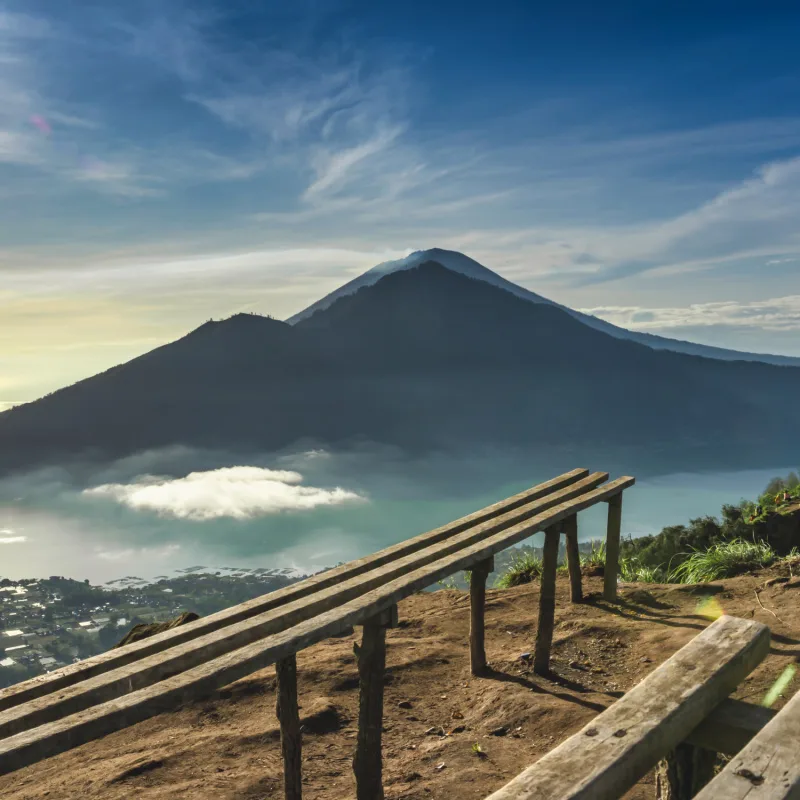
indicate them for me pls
(79, 703)
(768, 768)
(617, 748)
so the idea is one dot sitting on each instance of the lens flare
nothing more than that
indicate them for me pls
(709, 608)
(780, 686)
(42, 124)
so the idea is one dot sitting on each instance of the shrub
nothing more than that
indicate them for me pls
(724, 560)
(524, 569)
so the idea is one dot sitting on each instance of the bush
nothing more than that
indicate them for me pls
(724, 560)
(523, 569)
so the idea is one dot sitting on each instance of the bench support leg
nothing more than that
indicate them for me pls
(547, 601)
(367, 763)
(289, 718)
(573, 558)
(612, 548)
(684, 772)
(477, 599)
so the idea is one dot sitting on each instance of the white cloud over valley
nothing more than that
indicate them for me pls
(237, 492)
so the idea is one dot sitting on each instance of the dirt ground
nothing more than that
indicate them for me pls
(227, 746)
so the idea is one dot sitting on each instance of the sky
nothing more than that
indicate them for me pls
(163, 162)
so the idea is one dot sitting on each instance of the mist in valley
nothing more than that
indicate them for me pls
(303, 509)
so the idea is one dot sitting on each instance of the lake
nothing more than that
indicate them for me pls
(302, 511)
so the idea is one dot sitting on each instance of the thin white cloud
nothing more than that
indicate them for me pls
(774, 314)
(332, 167)
(237, 492)
(12, 539)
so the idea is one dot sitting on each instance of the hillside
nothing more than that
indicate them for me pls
(424, 359)
(227, 746)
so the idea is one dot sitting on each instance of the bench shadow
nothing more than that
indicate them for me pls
(625, 609)
(522, 680)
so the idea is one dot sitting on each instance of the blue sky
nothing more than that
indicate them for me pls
(165, 162)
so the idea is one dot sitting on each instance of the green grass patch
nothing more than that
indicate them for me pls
(524, 569)
(596, 557)
(632, 571)
(724, 560)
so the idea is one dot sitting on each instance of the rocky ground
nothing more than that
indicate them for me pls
(447, 734)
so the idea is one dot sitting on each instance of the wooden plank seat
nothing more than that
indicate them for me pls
(493, 517)
(619, 746)
(768, 767)
(163, 680)
(148, 669)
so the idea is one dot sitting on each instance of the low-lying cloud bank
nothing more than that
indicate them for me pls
(236, 492)
(774, 314)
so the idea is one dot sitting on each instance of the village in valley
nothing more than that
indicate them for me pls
(51, 622)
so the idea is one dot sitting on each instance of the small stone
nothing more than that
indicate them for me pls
(620, 733)
(501, 731)
(645, 660)
(404, 704)
(592, 732)
(458, 715)
(435, 731)
(525, 657)
(458, 729)
(440, 767)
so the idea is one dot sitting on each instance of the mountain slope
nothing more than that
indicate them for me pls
(463, 265)
(424, 359)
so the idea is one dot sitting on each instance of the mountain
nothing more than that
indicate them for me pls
(464, 265)
(424, 359)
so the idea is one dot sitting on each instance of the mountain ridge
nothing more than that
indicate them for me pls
(424, 359)
(464, 265)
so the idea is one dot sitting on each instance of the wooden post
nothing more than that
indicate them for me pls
(547, 601)
(289, 718)
(612, 547)
(367, 763)
(684, 772)
(477, 600)
(573, 558)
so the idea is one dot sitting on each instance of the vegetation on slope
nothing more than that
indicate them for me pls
(748, 536)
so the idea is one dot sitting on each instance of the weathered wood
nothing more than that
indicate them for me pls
(619, 746)
(730, 726)
(105, 662)
(49, 739)
(684, 772)
(612, 547)
(368, 759)
(573, 558)
(547, 601)
(768, 768)
(153, 668)
(289, 718)
(477, 602)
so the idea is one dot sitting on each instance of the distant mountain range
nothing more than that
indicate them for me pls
(425, 357)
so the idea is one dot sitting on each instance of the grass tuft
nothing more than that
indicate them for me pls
(523, 569)
(724, 560)
(596, 557)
